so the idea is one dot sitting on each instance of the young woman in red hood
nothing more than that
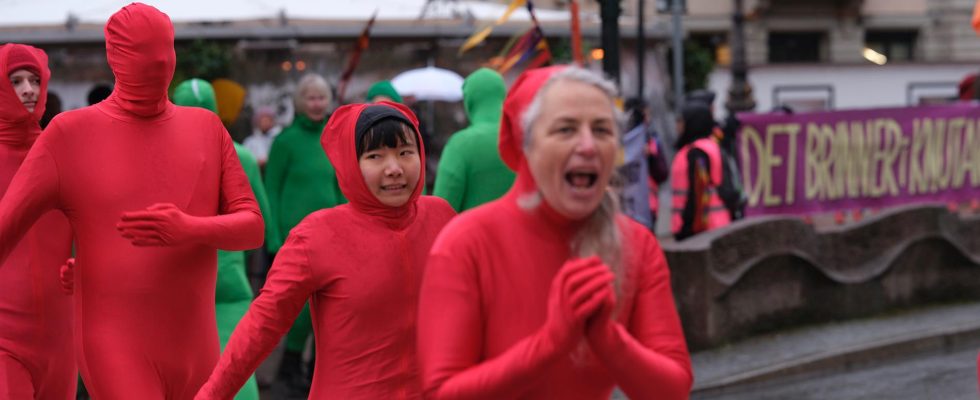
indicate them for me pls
(549, 292)
(36, 356)
(151, 190)
(360, 265)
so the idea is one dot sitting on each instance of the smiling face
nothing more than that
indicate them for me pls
(27, 85)
(391, 174)
(573, 147)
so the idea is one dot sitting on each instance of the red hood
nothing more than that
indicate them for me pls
(338, 142)
(519, 97)
(139, 44)
(511, 144)
(19, 127)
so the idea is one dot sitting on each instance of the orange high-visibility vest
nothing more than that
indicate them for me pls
(716, 214)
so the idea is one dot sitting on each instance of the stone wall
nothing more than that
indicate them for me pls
(773, 272)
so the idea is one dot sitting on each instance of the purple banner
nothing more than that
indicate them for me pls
(872, 158)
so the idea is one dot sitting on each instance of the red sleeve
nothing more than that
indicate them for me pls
(288, 286)
(649, 358)
(32, 192)
(451, 338)
(239, 223)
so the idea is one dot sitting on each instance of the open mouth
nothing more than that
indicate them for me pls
(581, 179)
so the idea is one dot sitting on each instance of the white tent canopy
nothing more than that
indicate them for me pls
(24, 13)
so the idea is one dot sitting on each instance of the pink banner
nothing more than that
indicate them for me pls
(855, 159)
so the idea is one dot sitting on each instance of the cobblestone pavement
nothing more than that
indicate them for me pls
(786, 346)
(945, 376)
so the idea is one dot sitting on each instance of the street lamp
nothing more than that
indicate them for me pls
(740, 92)
(609, 14)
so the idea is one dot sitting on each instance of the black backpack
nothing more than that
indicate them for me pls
(731, 191)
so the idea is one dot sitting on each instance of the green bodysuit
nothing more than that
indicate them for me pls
(470, 171)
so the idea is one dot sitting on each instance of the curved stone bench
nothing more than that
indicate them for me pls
(765, 273)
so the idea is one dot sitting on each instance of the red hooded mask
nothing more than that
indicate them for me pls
(139, 45)
(518, 99)
(19, 127)
(339, 143)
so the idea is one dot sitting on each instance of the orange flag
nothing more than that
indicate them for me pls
(355, 57)
(481, 35)
(976, 17)
(577, 34)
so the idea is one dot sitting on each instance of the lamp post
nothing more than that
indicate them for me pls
(609, 14)
(677, 12)
(641, 47)
(740, 93)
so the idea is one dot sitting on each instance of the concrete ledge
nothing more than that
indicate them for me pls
(769, 273)
(857, 344)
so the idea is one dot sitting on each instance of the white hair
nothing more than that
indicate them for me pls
(307, 83)
(574, 74)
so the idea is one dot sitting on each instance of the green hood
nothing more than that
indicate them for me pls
(483, 96)
(383, 88)
(195, 93)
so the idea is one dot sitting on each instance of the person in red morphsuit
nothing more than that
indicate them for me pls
(360, 264)
(156, 190)
(549, 292)
(36, 356)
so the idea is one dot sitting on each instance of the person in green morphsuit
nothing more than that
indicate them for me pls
(233, 294)
(382, 90)
(298, 177)
(300, 180)
(470, 171)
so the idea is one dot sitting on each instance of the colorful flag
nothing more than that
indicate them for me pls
(533, 41)
(481, 35)
(355, 58)
(501, 57)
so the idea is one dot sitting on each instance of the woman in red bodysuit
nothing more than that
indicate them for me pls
(151, 190)
(548, 292)
(360, 264)
(36, 356)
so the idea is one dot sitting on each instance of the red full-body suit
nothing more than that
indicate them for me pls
(484, 306)
(360, 264)
(151, 190)
(36, 356)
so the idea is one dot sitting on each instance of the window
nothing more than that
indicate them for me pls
(803, 98)
(790, 47)
(894, 45)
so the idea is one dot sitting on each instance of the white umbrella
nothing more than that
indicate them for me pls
(430, 83)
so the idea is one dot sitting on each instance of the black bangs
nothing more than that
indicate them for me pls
(387, 132)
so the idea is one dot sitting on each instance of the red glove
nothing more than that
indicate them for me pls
(601, 326)
(158, 225)
(67, 276)
(164, 224)
(577, 291)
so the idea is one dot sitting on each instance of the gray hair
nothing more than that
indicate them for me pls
(575, 74)
(310, 82)
(600, 235)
